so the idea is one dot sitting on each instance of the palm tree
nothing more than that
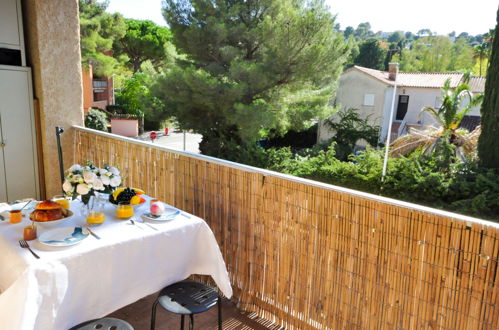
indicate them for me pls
(456, 103)
(480, 53)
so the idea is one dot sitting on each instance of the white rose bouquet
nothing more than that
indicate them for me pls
(84, 181)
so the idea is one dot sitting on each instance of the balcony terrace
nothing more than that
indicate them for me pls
(306, 255)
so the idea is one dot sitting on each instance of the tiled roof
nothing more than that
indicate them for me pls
(477, 84)
(425, 79)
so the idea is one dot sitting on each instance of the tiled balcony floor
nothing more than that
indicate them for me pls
(138, 315)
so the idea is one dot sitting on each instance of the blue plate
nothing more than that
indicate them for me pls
(169, 214)
(64, 236)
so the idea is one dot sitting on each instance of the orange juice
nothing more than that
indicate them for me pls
(96, 218)
(15, 216)
(29, 233)
(63, 202)
(124, 211)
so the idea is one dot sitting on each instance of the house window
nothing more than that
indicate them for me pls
(402, 107)
(369, 99)
(100, 95)
(100, 83)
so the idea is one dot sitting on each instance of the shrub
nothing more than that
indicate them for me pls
(96, 119)
(349, 128)
(435, 180)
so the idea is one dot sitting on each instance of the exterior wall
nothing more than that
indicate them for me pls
(106, 97)
(350, 94)
(125, 127)
(88, 97)
(54, 56)
(418, 99)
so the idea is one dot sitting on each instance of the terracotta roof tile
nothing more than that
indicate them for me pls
(425, 79)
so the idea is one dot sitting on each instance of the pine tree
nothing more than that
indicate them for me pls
(488, 143)
(249, 67)
(98, 31)
(143, 41)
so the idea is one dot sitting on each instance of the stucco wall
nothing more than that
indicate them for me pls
(53, 48)
(350, 94)
(418, 99)
(88, 96)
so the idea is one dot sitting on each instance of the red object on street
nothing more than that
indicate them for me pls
(166, 130)
(153, 136)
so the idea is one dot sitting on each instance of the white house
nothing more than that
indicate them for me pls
(371, 91)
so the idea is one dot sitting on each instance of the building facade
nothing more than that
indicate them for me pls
(371, 92)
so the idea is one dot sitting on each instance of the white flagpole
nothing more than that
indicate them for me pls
(388, 138)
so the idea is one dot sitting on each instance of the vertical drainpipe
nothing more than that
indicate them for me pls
(393, 70)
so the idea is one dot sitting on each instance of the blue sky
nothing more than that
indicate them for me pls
(441, 16)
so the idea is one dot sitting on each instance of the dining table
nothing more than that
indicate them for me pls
(121, 264)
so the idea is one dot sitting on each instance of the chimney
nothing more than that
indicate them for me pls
(393, 69)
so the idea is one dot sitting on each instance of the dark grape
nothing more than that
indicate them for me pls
(125, 196)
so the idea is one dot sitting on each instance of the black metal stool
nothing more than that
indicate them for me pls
(187, 298)
(106, 323)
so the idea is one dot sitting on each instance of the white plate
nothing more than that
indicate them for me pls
(169, 214)
(53, 223)
(64, 236)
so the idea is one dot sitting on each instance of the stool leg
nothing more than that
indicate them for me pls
(191, 325)
(153, 316)
(182, 322)
(219, 313)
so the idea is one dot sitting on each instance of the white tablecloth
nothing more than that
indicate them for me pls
(67, 286)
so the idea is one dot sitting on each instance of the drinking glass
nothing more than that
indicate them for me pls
(124, 210)
(62, 200)
(95, 214)
(29, 232)
(15, 216)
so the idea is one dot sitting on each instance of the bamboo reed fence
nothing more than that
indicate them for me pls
(312, 256)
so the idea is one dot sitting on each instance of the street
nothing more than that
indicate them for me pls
(175, 140)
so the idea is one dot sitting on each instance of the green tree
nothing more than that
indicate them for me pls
(143, 41)
(98, 31)
(480, 53)
(136, 98)
(461, 57)
(371, 55)
(363, 31)
(349, 31)
(250, 66)
(488, 143)
(396, 37)
(349, 128)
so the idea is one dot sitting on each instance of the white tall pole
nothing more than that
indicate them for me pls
(184, 140)
(388, 138)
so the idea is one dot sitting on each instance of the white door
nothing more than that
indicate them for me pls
(18, 166)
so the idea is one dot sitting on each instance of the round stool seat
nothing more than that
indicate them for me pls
(187, 298)
(106, 323)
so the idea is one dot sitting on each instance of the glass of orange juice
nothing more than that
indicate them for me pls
(29, 232)
(95, 214)
(62, 200)
(15, 216)
(124, 210)
(95, 217)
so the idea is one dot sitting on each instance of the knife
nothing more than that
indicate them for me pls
(93, 234)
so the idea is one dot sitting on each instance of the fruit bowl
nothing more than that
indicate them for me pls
(127, 195)
(134, 206)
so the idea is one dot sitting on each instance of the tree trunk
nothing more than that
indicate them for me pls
(488, 143)
(136, 65)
